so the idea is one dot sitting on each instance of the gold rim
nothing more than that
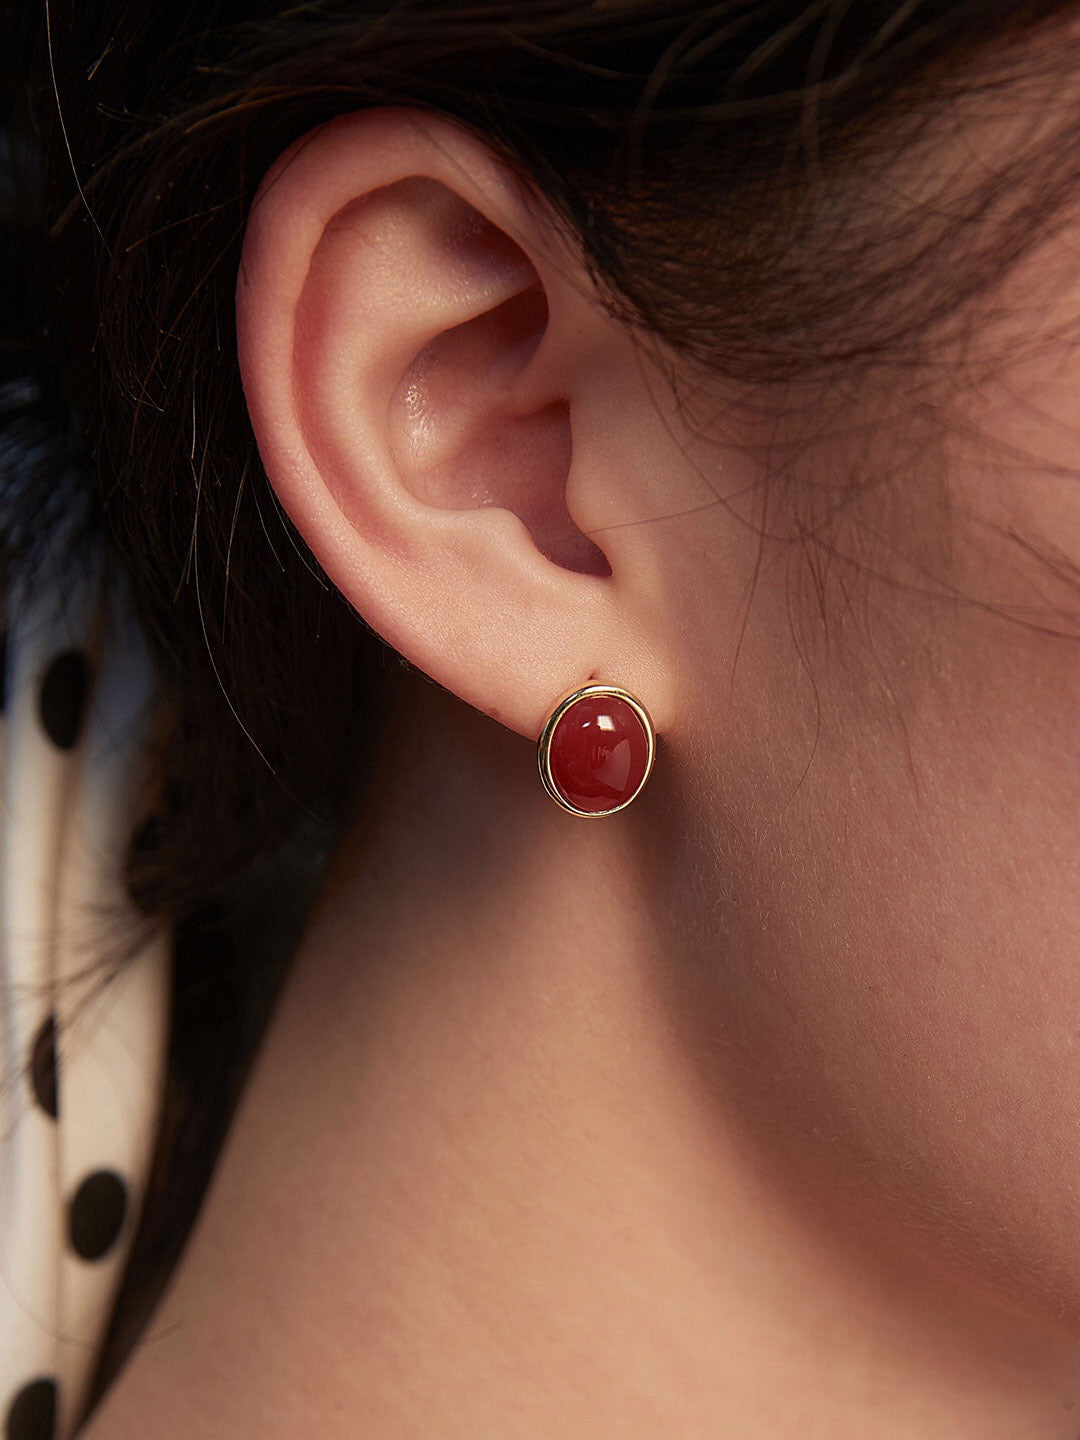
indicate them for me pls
(543, 747)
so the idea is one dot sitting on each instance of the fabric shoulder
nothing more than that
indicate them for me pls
(85, 987)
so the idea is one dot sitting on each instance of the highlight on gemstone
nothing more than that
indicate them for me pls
(598, 753)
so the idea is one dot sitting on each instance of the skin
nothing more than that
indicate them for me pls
(749, 1112)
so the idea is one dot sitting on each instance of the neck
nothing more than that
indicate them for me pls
(475, 1186)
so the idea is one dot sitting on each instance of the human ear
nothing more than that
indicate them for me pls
(435, 392)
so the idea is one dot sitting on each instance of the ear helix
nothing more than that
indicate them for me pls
(596, 751)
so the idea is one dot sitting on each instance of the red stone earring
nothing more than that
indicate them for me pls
(596, 750)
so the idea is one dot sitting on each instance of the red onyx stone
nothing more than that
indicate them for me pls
(599, 753)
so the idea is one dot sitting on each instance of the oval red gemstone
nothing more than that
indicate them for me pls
(599, 753)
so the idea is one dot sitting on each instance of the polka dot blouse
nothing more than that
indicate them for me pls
(84, 997)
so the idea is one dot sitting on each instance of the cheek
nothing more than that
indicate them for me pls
(897, 986)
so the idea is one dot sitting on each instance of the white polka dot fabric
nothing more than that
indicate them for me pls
(84, 998)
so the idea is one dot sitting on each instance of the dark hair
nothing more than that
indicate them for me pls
(706, 154)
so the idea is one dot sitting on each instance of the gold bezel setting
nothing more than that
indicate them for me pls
(543, 747)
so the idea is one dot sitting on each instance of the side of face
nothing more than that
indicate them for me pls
(887, 986)
(851, 611)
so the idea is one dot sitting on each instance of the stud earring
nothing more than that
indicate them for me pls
(596, 750)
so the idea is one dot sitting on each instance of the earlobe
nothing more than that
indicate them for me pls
(400, 319)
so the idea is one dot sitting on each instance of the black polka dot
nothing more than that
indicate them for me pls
(63, 698)
(42, 1067)
(96, 1214)
(32, 1415)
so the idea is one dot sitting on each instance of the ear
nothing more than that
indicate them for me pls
(437, 397)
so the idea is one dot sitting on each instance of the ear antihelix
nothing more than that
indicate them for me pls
(461, 442)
